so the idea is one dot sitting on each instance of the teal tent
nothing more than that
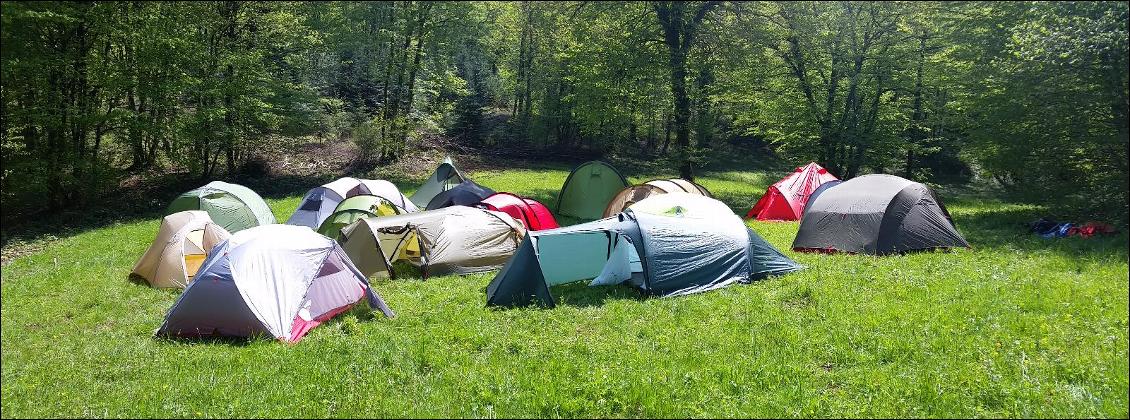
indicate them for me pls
(687, 244)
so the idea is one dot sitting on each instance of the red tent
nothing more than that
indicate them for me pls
(786, 199)
(532, 214)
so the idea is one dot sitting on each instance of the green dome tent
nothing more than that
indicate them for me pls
(232, 206)
(355, 208)
(588, 189)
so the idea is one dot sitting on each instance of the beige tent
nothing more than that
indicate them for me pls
(636, 193)
(182, 244)
(451, 240)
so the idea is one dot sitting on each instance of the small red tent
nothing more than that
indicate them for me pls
(786, 199)
(532, 214)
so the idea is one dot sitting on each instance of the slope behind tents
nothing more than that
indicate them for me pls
(232, 206)
(442, 179)
(877, 214)
(659, 249)
(786, 199)
(587, 190)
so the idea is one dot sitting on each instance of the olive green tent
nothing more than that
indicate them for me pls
(444, 177)
(588, 189)
(355, 208)
(232, 206)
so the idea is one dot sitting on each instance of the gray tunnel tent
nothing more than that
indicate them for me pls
(666, 249)
(442, 179)
(876, 214)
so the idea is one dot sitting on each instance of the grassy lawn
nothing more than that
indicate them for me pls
(1019, 326)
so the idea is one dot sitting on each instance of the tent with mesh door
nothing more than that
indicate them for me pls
(442, 179)
(232, 206)
(464, 194)
(451, 240)
(277, 281)
(681, 245)
(183, 242)
(533, 214)
(876, 214)
(636, 193)
(587, 190)
(786, 199)
(355, 208)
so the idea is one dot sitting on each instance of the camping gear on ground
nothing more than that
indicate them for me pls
(1049, 228)
(877, 214)
(355, 208)
(320, 202)
(636, 193)
(588, 189)
(442, 179)
(464, 194)
(275, 280)
(533, 214)
(786, 199)
(182, 244)
(451, 240)
(685, 244)
(232, 206)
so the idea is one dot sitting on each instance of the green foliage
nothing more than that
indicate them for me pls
(1028, 95)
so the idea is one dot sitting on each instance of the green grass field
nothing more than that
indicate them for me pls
(1018, 326)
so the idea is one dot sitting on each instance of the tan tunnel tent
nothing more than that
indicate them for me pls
(451, 240)
(636, 193)
(183, 242)
(356, 208)
(587, 190)
(444, 178)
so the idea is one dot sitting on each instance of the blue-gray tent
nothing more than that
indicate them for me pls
(667, 245)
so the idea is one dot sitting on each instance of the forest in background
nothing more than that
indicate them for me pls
(1030, 97)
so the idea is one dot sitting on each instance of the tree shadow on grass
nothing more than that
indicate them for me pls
(1005, 228)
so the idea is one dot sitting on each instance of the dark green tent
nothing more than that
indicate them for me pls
(587, 190)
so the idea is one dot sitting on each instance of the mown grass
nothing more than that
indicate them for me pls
(1017, 327)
